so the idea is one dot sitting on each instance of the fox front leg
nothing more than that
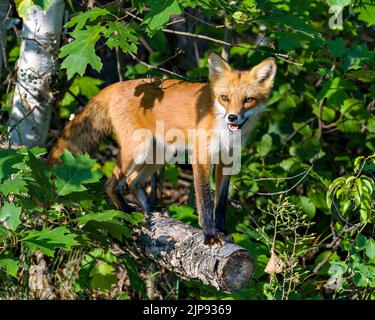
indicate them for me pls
(204, 204)
(221, 197)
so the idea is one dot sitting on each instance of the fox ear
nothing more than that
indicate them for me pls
(217, 66)
(265, 72)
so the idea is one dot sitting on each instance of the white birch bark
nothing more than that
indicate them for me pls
(4, 7)
(34, 94)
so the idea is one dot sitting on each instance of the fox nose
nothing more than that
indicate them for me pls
(232, 117)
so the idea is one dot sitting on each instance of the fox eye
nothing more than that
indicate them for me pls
(224, 98)
(249, 100)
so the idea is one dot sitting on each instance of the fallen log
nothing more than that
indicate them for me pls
(179, 248)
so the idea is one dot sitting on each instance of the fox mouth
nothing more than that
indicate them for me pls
(233, 127)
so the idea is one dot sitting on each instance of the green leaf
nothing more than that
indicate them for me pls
(133, 273)
(159, 14)
(307, 206)
(288, 40)
(337, 268)
(4, 233)
(44, 4)
(265, 145)
(370, 248)
(361, 242)
(366, 13)
(15, 186)
(24, 6)
(43, 186)
(104, 216)
(74, 173)
(8, 158)
(10, 265)
(108, 220)
(134, 218)
(350, 126)
(356, 57)
(86, 86)
(138, 5)
(171, 174)
(81, 52)
(335, 91)
(49, 240)
(10, 216)
(183, 213)
(337, 47)
(367, 76)
(102, 276)
(121, 35)
(80, 20)
(338, 3)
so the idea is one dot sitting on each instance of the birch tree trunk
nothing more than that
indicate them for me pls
(34, 94)
(4, 7)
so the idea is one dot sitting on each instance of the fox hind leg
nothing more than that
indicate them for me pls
(136, 184)
(113, 193)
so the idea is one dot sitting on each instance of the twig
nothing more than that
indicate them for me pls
(119, 53)
(28, 113)
(272, 179)
(176, 21)
(204, 22)
(228, 32)
(284, 191)
(157, 68)
(297, 130)
(320, 119)
(78, 99)
(145, 44)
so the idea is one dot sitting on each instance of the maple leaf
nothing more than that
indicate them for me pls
(121, 35)
(81, 52)
(74, 173)
(48, 241)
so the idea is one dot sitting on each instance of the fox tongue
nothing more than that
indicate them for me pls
(233, 127)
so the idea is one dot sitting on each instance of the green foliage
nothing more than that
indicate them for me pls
(353, 194)
(33, 220)
(89, 27)
(314, 145)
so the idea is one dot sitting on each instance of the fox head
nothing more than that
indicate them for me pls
(237, 95)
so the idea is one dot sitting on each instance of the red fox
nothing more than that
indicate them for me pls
(229, 104)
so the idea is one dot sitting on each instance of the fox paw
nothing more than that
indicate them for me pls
(217, 238)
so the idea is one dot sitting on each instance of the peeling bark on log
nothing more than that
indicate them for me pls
(180, 249)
